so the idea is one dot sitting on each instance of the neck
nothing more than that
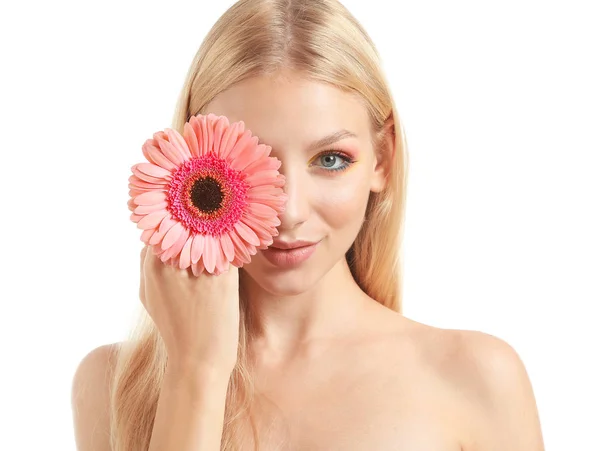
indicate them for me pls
(284, 326)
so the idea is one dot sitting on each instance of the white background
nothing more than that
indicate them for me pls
(500, 101)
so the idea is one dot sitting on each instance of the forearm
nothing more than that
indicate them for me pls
(190, 410)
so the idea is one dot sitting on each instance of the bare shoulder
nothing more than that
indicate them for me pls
(484, 362)
(90, 398)
(489, 377)
(471, 356)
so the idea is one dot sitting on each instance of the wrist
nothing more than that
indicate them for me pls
(200, 371)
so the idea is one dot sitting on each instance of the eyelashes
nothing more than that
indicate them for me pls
(346, 159)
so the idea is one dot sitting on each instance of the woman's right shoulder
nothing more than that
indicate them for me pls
(96, 365)
(90, 396)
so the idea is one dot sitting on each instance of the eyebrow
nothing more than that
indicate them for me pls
(330, 139)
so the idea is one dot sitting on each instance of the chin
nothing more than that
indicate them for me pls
(285, 289)
(278, 282)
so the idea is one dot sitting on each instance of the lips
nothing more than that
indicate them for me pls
(291, 244)
(286, 258)
(297, 246)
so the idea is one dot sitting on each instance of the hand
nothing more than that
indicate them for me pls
(197, 316)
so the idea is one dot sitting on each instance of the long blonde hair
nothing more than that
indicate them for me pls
(321, 39)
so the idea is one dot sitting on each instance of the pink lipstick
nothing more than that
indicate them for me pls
(290, 256)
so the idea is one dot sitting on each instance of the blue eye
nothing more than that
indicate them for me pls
(328, 160)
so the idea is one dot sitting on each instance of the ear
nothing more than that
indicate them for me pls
(384, 155)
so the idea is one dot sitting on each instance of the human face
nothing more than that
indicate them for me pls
(327, 184)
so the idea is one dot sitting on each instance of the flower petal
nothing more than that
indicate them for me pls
(153, 170)
(146, 177)
(237, 262)
(163, 257)
(265, 189)
(262, 177)
(244, 145)
(175, 249)
(178, 142)
(263, 151)
(198, 268)
(260, 210)
(197, 248)
(134, 192)
(265, 245)
(246, 233)
(261, 222)
(251, 249)
(227, 246)
(219, 130)
(172, 236)
(150, 198)
(136, 182)
(222, 263)
(146, 235)
(190, 138)
(241, 249)
(231, 136)
(244, 159)
(261, 231)
(147, 209)
(164, 227)
(279, 181)
(152, 220)
(257, 152)
(261, 202)
(263, 199)
(198, 123)
(218, 271)
(185, 259)
(153, 154)
(263, 164)
(210, 253)
(209, 135)
(170, 151)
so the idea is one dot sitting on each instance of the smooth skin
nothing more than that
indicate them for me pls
(338, 370)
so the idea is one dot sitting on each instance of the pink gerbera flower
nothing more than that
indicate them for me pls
(208, 198)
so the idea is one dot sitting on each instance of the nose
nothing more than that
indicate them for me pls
(297, 207)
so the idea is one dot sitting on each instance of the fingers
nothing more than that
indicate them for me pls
(151, 259)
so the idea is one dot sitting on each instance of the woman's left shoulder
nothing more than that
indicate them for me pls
(490, 378)
(462, 356)
(470, 356)
(479, 354)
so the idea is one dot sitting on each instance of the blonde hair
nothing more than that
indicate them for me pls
(323, 41)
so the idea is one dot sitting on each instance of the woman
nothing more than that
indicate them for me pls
(313, 353)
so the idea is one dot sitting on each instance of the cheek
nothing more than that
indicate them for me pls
(343, 204)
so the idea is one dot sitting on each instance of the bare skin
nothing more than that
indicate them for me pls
(347, 372)
(375, 388)
(391, 384)
(338, 370)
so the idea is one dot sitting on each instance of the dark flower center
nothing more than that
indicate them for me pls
(206, 194)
